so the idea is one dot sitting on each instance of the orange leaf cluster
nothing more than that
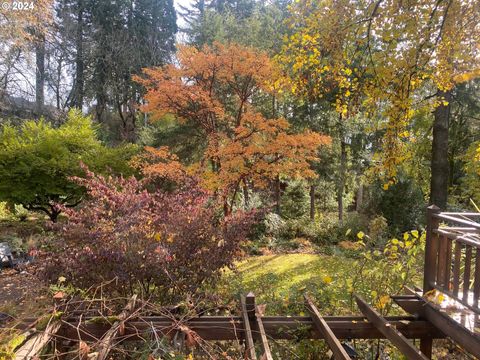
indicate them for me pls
(221, 89)
(160, 164)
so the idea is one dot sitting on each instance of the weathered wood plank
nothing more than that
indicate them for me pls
(267, 354)
(426, 345)
(458, 220)
(467, 272)
(249, 344)
(230, 328)
(476, 284)
(322, 326)
(455, 330)
(442, 261)
(36, 342)
(431, 248)
(456, 268)
(412, 305)
(390, 332)
(448, 265)
(254, 314)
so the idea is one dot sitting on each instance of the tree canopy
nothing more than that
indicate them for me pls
(218, 89)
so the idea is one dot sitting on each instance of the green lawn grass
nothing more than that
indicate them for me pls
(281, 280)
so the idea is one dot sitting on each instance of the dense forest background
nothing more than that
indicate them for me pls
(399, 103)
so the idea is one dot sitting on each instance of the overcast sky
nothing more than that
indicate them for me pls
(180, 22)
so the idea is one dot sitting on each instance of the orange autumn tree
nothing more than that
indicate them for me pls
(222, 90)
(160, 166)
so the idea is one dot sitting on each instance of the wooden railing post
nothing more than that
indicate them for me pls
(431, 249)
(250, 305)
(247, 316)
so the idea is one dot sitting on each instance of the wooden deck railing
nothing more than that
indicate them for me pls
(452, 256)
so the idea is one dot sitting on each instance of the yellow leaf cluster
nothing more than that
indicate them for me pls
(380, 56)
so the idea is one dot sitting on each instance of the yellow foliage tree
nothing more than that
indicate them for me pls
(387, 51)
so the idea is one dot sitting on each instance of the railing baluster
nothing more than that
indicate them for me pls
(456, 268)
(476, 284)
(466, 272)
(442, 261)
(448, 265)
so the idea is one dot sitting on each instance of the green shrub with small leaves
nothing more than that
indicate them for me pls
(21, 213)
(5, 213)
(37, 161)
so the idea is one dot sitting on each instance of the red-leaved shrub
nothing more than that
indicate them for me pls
(163, 243)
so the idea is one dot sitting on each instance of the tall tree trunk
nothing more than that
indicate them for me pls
(439, 164)
(101, 96)
(40, 73)
(277, 196)
(312, 202)
(79, 60)
(342, 172)
(57, 85)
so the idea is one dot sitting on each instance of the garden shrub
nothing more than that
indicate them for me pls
(5, 212)
(20, 212)
(353, 223)
(383, 271)
(378, 229)
(402, 205)
(295, 200)
(37, 160)
(166, 243)
(277, 232)
(326, 228)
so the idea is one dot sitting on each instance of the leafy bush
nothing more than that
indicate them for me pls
(402, 205)
(169, 242)
(21, 213)
(5, 212)
(353, 223)
(326, 229)
(378, 229)
(36, 161)
(386, 270)
(273, 224)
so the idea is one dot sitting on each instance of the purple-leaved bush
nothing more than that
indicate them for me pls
(162, 243)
